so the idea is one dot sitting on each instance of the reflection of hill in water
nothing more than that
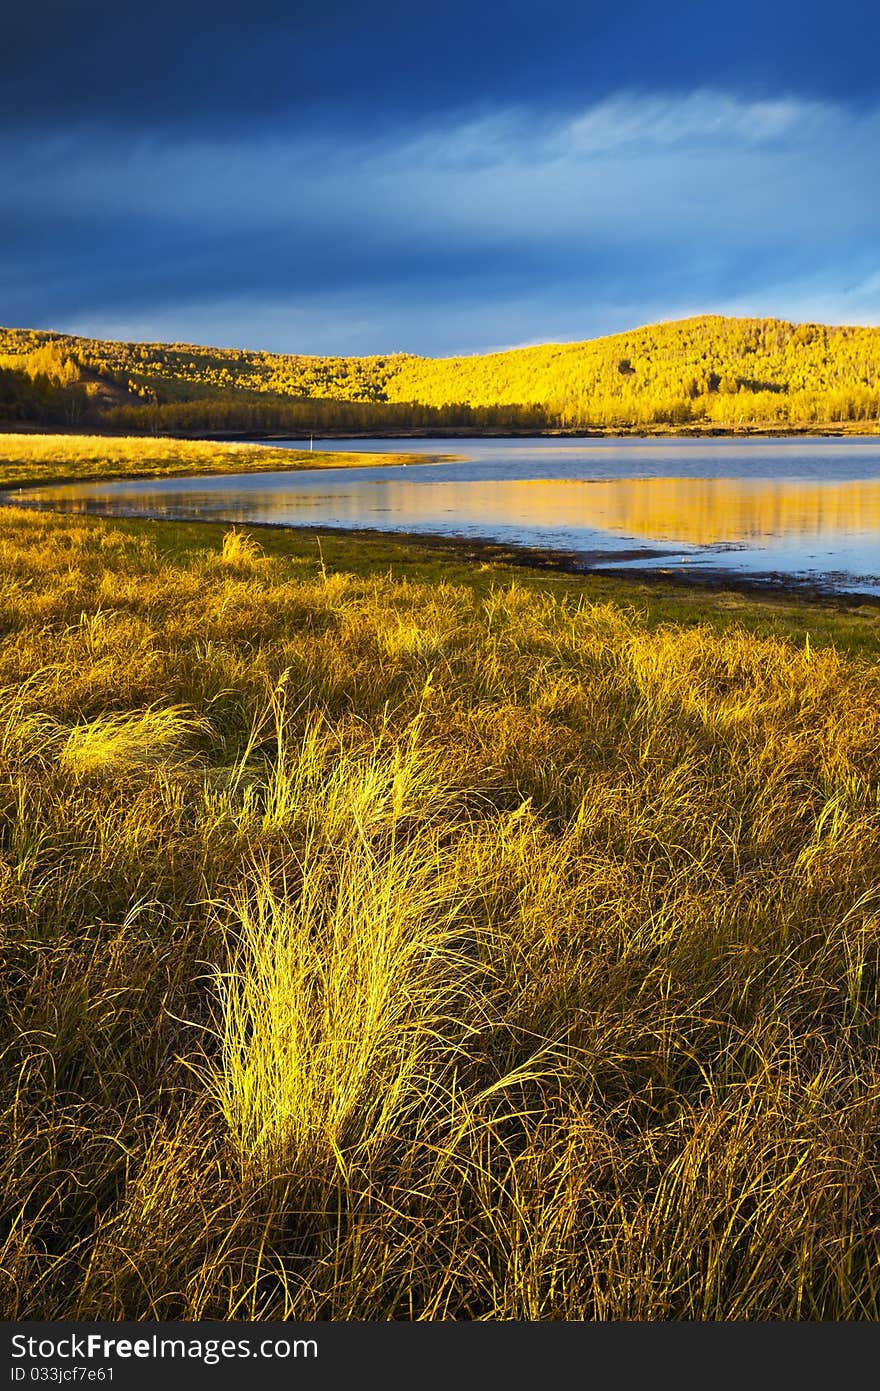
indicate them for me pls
(706, 511)
(701, 511)
(697, 511)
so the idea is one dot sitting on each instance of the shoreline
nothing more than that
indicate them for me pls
(164, 458)
(483, 550)
(867, 429)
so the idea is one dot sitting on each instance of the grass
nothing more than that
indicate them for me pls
(36, 460)
(387, 936)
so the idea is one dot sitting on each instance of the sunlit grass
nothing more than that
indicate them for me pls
(31, 459)
(433, 943)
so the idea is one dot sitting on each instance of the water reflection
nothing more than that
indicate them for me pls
(799, 526)
(709, 511)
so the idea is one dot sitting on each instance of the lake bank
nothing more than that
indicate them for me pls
(37, 459)
(795, 613)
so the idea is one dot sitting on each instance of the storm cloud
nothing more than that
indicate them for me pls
(340, 183)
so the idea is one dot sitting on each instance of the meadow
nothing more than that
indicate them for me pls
(388, 936)
(28, 460)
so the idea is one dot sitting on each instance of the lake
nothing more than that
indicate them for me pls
(791, 509)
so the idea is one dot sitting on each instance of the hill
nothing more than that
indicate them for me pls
(713, 371)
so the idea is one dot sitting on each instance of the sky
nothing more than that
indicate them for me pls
(436, 179)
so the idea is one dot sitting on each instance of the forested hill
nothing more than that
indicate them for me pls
(726, 372)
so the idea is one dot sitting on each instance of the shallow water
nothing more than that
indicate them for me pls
(792, 509)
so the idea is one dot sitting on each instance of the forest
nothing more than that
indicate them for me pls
(707, 372)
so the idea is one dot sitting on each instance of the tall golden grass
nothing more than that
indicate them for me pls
(376, 949)
(28, 460)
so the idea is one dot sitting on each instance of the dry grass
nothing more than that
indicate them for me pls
(376, 949)
(30, 460)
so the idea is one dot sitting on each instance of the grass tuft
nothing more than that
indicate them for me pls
(240, 549)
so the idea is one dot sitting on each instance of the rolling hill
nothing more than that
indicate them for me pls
(711, 371)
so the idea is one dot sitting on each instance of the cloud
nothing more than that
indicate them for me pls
(218, 66)
(475, 232)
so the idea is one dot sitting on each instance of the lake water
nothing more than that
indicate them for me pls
(792, 509)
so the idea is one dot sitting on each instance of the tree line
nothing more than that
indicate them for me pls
(712, 371)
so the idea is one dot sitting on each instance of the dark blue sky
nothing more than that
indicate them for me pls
(435, 179)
